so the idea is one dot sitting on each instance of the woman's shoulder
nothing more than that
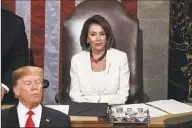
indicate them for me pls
(117, 52)
(117, 55)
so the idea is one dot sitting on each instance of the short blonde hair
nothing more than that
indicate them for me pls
(26, 70)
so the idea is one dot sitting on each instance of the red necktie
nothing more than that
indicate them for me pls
(30, 123)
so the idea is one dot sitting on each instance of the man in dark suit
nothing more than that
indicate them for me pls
(28, 87)
(14, 51)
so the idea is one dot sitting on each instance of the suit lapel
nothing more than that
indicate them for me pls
(45, 121)
(108, 62)
(89, 71)
(12, 119)
(108, 66)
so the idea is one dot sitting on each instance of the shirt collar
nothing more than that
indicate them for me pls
(23, 110)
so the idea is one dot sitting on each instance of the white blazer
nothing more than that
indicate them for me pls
(117, 78)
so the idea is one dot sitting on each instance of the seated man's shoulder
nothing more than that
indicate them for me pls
(56, 113)
(58, 118)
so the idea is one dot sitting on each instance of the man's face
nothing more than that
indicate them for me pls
(29, 89)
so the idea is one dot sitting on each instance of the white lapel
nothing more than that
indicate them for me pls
(89, 72)
(108, 61)
(108, 66)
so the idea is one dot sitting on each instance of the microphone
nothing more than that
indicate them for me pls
(45, 83)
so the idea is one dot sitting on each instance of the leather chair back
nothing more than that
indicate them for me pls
(125, 29)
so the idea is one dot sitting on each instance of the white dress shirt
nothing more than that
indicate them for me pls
(98, 81)
(22, 114)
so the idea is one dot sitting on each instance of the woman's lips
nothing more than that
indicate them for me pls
(98, 44)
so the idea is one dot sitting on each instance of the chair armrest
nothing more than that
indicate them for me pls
(146, 98)
(140, 97)
(62, 97)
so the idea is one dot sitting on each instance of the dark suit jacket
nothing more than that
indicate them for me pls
(9, 118)
(14, 48)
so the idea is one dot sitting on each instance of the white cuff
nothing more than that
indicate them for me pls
(5, 87)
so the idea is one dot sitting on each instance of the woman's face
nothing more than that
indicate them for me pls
(96, 37)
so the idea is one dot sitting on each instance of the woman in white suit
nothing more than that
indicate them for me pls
(99, 73)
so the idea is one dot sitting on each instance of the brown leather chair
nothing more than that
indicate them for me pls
(126, 31)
